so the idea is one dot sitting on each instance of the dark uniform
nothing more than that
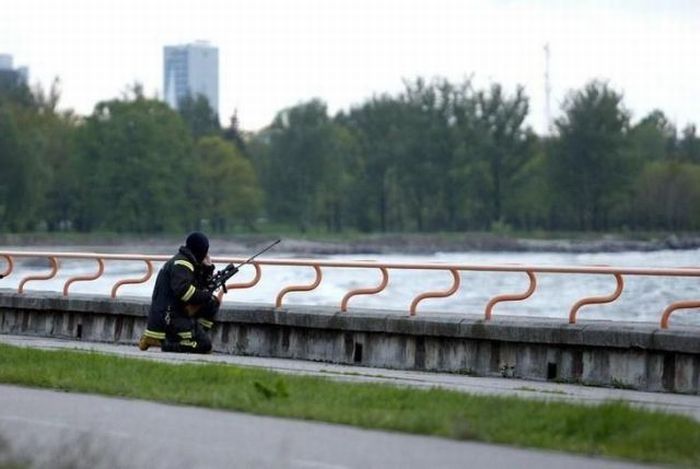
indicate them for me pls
(181, 284)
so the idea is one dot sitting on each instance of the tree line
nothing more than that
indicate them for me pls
(437, 156)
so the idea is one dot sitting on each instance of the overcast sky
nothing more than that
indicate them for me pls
(277, 53)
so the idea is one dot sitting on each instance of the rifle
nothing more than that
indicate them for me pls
(219, 279)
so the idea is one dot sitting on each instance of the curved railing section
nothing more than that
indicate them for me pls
(597, 300)
(250, 284)
(516, 297)
(134, 281)
(10, 265)
(676, 306)
(366, 291)
(385, 268)
(438, 294)
(48, 276)
(300, 288)
(85, 278)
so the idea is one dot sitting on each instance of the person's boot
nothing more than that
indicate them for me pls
(146, 342)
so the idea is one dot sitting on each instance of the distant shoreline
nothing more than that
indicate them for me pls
(425, 244)
(362, 244)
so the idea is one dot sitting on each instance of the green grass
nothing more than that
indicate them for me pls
(613, 429)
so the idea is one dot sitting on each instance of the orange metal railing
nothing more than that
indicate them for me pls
(384, 267)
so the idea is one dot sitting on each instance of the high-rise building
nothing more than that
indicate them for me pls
(14, 75)
(5, 62)
(191, 69)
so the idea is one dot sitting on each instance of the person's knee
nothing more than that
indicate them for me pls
(203, 348)
(203, 345)
(205, 324)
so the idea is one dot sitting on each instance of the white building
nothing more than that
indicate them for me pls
(191, 69)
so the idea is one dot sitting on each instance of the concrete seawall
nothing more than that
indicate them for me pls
(600, 353)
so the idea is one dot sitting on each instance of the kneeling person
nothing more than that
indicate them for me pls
(182, 308)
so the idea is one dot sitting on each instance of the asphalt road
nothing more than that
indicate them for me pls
(58, 429)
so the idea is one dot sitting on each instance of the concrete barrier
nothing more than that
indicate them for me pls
(600, 353)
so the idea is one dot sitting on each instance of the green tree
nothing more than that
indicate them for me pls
(338, 195)
(23, 176)
(529, 206)
(15, 177)
(439, 155)
(668, 196)
(300, 143)
(689, 145)
(589, 165)
(377, 127)
(428, 151)
(653, 138)
(199, 116)
(55, 145)
(470, 203)
(235, 135)
(224, 187)
(502, 147)
(134, 161)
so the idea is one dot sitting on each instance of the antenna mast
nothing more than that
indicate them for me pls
(547, 91)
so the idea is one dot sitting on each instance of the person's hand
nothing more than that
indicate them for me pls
(207, 267)
(214, 303)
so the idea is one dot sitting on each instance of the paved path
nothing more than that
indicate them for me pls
(676, 403)
(94, 431)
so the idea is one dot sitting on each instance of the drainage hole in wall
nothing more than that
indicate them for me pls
(357, 354)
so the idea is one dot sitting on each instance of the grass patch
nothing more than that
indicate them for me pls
(614, 429)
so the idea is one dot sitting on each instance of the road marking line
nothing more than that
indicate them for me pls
(316, 464)
(77, 428)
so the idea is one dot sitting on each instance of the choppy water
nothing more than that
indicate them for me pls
(643, 299)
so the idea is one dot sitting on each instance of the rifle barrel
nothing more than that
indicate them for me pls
(257, 254)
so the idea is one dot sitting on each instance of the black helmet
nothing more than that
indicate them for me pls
(198, 243)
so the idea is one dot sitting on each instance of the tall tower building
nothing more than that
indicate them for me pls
(10, 74)
(5, 62)
(191, 69)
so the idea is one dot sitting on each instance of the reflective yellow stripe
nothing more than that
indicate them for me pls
(205, 323)
(189, 343)
(188, 294)
(185, 335)
(154, 334)
(186, 264)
